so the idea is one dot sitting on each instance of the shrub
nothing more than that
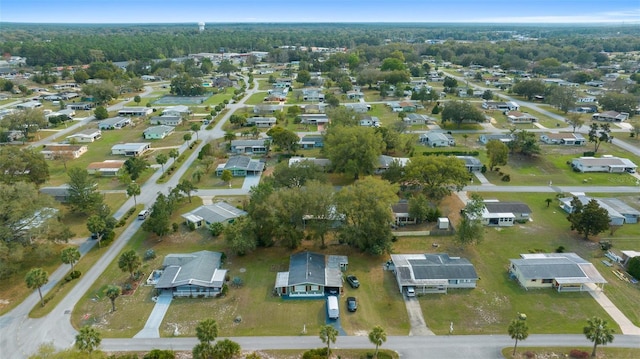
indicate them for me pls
(560, 249)
(319, 353)
(634, 267)
(160, 354)
(127, 287)
(483, 169)
(529, 354)
(75, 274)
(175, 226)
(121, 222)
(588, 154)
(579, 354)
(192, 226)
(506, 178)
(225, 290)
(149, 254)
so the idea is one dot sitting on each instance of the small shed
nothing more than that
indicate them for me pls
(443, 223)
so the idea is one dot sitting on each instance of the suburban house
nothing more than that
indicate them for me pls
(416, 119)
(176, 111)
(520, 117)
(502, 106)
(261, 122)
(130, 149)
(135, 111)
(407, 106)
(432, 272)
(107, 168)
(195, 274)
(311, 141)
(313, 95)
(605, 163)
(504, 214)
(157, 132)
(563, 138)
(313, 108)
(60, 194)
(311, 275)
(370, 121)
(401, 215)
(358, 107)
(59, 150)
(473, 164)
(219, 212)
(355, 95)
(619, 212)
(29, 105)
(241, 166)
(610, 116)
(166, 120)
(85, 136)
(249, 146)
(82, 106)
(114, 123)
(266, 109)
(384, 162)
(314, 119)
(502, 137)
(566, 272)
(437, 139)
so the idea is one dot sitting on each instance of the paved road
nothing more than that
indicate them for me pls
(553, 189)
(424, 347)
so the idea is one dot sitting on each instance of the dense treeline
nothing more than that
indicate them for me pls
(45, 44)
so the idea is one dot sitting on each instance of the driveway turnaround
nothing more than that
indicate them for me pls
(151, 328)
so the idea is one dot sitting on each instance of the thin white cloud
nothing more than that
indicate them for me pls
(623, 16)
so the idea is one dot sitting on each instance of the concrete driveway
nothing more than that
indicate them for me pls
(416, 319)
(151, 328)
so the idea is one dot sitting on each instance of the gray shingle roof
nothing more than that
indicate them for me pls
(216, 213)
(198, 268)
(507, 207)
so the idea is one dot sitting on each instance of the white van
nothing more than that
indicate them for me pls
(332, 307)
(143, 214)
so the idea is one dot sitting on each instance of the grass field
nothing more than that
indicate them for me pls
(603, 352)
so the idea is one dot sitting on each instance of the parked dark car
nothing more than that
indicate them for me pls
(352, 304)
(353, 281)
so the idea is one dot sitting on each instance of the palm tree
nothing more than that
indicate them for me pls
(133, 190)
(36, 278)
(548, 201)
(598, 331)
(229, 136)
(70, 255)
(207, 331)
(174, 153)
(113, 292)
(195, 127)
(129, 262)
(162, 158)
(88, 339)
(197, 174)
(377, 336)
(518, 330)
(328, 335)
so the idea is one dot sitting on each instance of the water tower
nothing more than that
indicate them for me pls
(201, 26)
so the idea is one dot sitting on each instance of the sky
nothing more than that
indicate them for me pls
(343, 11)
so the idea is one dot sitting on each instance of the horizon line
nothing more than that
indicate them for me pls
(591, 23)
